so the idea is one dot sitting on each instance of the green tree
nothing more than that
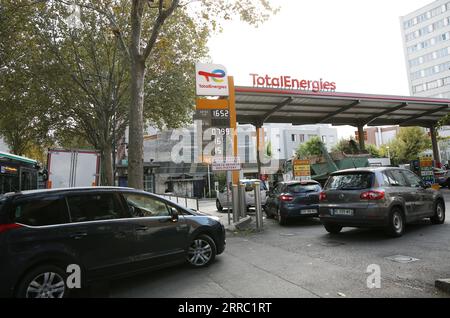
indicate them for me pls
(373, 151)
(27, 109)
(313, 147)
(139, 26)
(348, 146)
(408, 144)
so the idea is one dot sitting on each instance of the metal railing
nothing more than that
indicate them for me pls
(189, 203)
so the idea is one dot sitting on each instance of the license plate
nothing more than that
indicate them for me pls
(311, 211)
(346, 212)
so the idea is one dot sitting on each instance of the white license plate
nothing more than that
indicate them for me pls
(346, 212)
(311, 211)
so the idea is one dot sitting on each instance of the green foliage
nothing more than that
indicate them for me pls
(373, 151)
(268, 151)
(348, 146)
(310, 148)
(27, 108)
(408, 145)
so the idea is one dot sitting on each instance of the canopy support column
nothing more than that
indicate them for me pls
(259, 132)
(436, 154)
(362, 143)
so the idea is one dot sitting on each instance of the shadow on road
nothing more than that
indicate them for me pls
(348, 235)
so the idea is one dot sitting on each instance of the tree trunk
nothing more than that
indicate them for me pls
(136, 131)
(107, 177)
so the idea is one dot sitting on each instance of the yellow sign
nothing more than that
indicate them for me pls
(302, 168)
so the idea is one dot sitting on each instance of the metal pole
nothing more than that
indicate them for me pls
(434, 143)
(228, 198)
(242, 203)
(259, 216)
(235, 194)
(209, 183)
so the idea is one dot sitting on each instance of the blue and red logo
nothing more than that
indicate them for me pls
(216, 75)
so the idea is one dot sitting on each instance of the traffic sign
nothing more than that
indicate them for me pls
(226, 164)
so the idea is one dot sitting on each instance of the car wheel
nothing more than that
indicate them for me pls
(439, 213)
(396, 226)
(333, 228)
(44, 282)
(281, 219)
(219, 206)
(202, 251)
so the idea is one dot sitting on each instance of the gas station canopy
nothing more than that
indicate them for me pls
(260, 105)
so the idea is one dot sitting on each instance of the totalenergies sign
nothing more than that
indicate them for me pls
(211, 80)
(289, 82)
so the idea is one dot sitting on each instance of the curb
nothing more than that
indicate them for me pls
(443, 284)
(242, 224)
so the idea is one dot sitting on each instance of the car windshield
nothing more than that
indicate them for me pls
(249, 185)
(350, 181)
(303, 188)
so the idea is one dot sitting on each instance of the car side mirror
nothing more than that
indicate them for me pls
(175, 214)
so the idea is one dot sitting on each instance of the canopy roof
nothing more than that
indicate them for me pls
(17, 158)
(260, 105)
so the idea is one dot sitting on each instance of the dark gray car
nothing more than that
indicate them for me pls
(293, 200)
(107, 232)
(378, 197)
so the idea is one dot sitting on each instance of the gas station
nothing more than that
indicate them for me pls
(310, 104)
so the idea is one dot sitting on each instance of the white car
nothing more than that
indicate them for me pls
(222, 202)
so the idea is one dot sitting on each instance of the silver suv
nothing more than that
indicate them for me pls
(378, 197)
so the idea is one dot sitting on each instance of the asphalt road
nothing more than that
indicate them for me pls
(303, 260)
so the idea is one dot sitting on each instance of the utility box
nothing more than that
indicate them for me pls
(73, 168)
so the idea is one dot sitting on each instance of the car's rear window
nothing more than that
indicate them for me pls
(303, 188)
(350, 181)
(40, 211)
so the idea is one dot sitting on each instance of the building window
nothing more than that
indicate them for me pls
(324, 139)
(302, 138)
(293, 138)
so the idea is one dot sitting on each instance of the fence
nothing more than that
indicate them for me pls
(189, 203)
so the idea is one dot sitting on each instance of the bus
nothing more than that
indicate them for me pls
(17, 173)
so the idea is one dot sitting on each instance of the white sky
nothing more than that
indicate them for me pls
(355, 43)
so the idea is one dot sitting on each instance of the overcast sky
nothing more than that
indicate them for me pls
(355, 43)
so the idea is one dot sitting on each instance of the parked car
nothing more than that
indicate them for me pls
(378, 197)
(442, 177)
(223, 202)
(108, 232)
(293, 199)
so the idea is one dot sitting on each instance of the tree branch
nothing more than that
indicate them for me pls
(162, 16)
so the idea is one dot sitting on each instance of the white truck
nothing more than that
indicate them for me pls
(73, 168)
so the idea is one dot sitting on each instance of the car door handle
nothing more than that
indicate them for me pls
(79, 235)
(142, 228)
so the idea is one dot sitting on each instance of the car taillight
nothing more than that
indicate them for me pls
(322, 196)
(7, 227)
(286, 197)
(372, 195)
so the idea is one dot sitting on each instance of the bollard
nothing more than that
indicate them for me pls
(235, 199)
(228, 203)
(242, 203)
(259, 215)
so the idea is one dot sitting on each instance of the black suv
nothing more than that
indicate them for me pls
(105, 232)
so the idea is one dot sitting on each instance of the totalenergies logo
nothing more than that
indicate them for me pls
(211, 80)
(216, 75)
